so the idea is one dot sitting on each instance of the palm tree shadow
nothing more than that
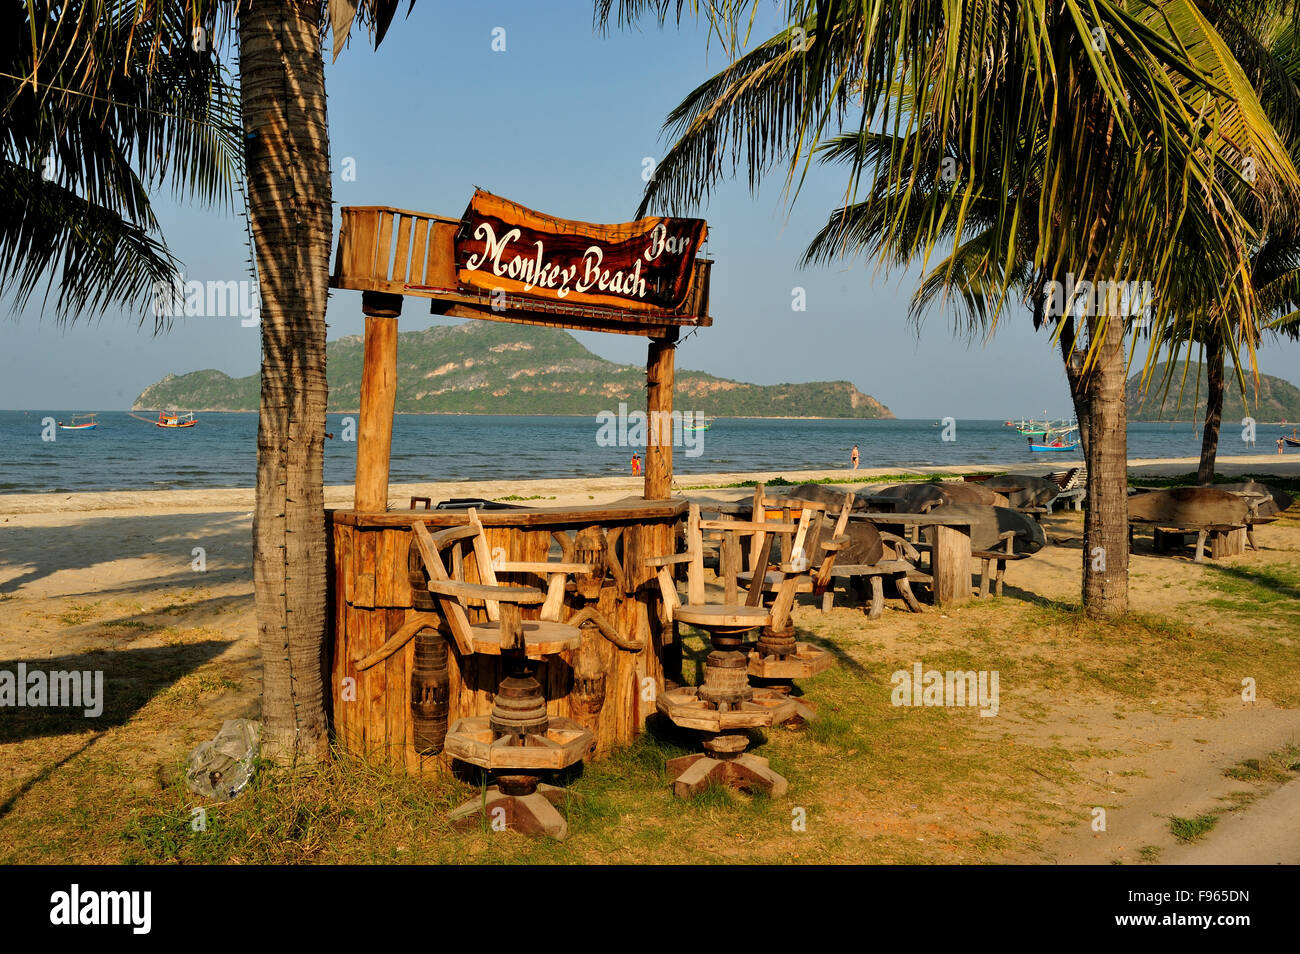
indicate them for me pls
(128, 680)
(41, 551)
(8, 804)
(1255, 578)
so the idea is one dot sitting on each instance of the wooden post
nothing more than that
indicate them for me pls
(659, 407)
(378, 398)
(950, 564)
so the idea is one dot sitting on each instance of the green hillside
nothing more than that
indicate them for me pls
(1276, 399)
(484, 367)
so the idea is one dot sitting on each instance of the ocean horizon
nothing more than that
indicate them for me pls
(126, 453)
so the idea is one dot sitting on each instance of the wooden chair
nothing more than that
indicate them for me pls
(1074, 487)
(518, 742)
(820, 554)
(777, 656)
(724, 706)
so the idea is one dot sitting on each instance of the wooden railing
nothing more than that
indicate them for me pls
(384, 249)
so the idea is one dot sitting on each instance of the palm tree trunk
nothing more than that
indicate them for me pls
(1105, 524)
(282, 86)
(1213, 409)
(1078, 382)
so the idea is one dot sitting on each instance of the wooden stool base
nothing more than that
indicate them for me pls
(806, 661)
(532, 814)
(747, 772)
(685, 708)
(802, 712)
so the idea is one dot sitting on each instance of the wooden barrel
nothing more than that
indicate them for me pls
(608, 688)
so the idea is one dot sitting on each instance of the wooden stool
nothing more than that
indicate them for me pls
(518, 743)
(724, 706)
(778, 658)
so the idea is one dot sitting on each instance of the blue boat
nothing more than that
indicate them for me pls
(1055, 440)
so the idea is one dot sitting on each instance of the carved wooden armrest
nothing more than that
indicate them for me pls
(544, 568)
(669, 560)
(483, 591)
(835, 544)
(748, 526)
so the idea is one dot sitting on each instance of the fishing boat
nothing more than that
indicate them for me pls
(1293, 440)
(699, 424)
(1057, 439)
(170, 419)
(1032, 428)
(74, 426)
(176, 420)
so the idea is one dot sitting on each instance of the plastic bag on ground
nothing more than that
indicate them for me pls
(222, 768)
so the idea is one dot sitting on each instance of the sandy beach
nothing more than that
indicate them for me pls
(561, 492)
(117, 577)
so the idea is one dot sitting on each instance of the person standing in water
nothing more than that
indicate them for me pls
(636, 465)
(854, 457)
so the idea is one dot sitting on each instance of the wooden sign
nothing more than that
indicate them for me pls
(639, 266)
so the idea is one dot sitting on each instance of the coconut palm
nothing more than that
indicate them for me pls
(286, 158)
(1082, 136)
(1264, 40)
(95, 118)
(282, 91)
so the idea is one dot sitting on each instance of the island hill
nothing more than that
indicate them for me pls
(486, 367)
(1276, 399)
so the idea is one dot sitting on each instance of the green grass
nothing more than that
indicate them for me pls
(1276, 768)
(78, 613)
(908, 477)
(1190, 829)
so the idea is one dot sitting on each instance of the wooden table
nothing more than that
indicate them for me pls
(950, 558)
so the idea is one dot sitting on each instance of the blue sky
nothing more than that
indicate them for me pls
(562, 121)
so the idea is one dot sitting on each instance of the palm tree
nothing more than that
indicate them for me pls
(282, 89)
(1264, 40)
(1084, 136)
(286, 158)
(95, 117)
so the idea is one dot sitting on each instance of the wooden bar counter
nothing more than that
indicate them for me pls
(608, 685)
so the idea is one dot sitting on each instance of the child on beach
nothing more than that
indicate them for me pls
(854, 457)
(636, 465)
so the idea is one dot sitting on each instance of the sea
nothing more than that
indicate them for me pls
(126, 453)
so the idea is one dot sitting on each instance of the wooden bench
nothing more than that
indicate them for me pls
(1224, 539)
(1218, 517)
(903, 573)
(996, 558)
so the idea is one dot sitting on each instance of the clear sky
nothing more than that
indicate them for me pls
(562, 120)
